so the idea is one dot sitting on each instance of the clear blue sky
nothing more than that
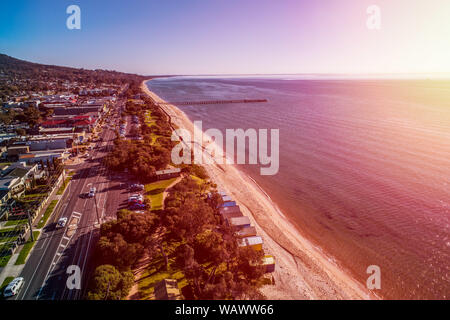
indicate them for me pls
(231, 36)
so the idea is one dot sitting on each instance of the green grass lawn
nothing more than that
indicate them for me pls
(47, 214)
(4, 260)
(64, 185)
(23, 254)
(155, 191)
(5, 283)
(15, 222)
(154, 273)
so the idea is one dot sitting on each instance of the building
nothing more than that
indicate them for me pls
(167, 289)
(15, 178)
(44, 155)
(15, 151)
(52, 142)
(168, 174)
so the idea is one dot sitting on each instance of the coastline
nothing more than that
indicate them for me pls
(302, 271)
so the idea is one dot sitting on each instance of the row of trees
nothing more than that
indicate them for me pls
(143, 157)
(209, 255)
(122, 242)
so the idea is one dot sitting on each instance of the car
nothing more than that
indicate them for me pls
(91, 193)
(13, 287)
(137, 187)
(61, 222)
(137, 206)
(136, 198)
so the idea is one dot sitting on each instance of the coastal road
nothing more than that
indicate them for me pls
(45, 271)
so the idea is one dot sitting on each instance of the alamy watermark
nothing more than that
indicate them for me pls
(74, 279)
(374, 19)
(374, 280)
(209, 148)
(74, 20)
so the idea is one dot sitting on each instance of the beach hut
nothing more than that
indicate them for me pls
(167, 289)
(269, 263)
(239, 222)
(229, 209)
(227, 198)
(254, 242)
(229, 204)
(232, 214)
(247, 232)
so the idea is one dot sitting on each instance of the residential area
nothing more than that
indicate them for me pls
(87, 181)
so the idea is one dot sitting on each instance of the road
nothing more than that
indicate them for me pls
(45, 272)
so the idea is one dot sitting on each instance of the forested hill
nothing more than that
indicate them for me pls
(34, 76)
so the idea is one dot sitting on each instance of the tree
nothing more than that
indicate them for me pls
(110, 284)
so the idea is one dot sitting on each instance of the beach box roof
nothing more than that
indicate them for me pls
(247, 232)
(239, 222)
(229, 204)
(227, 198)
(229, 209)
(167, 289)
(231, 214)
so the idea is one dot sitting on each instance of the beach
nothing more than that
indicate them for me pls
(303, 270)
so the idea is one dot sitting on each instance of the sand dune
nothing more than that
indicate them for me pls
(302, 271)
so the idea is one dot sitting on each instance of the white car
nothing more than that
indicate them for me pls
(92, 192)
(61, 222)
(14, 287)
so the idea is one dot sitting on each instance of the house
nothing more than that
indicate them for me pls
(239, 222)
(167, 289)
(168, 174)
(15, 178)
(254, 242)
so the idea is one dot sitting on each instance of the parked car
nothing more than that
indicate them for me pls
(92, 192)
(137, 187)
(61, 222)
(137, 206)
(14, 287)
(137, 198)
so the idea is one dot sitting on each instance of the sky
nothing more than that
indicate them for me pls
(194, 37)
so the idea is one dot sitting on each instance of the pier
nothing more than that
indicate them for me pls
(187, 103)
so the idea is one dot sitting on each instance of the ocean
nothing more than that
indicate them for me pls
(364, 166)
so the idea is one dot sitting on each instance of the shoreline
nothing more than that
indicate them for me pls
(303, 270)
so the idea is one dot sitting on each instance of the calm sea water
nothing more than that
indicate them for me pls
(364, 167)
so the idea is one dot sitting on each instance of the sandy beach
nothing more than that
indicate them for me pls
(303, 270)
